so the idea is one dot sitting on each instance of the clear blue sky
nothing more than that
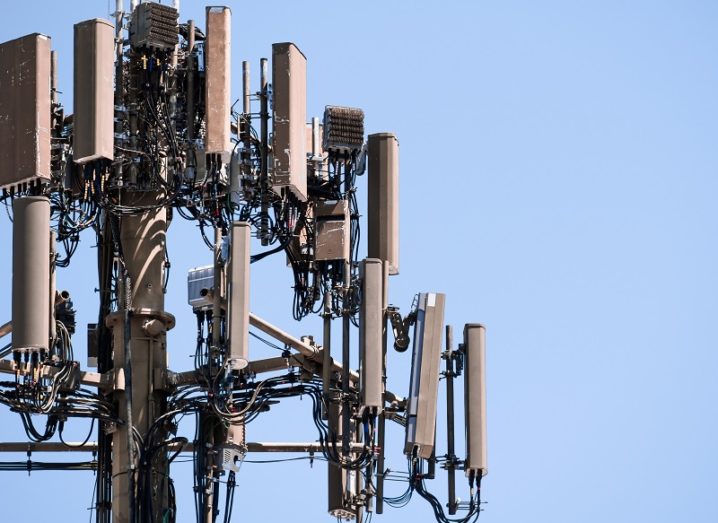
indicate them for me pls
(559, 172)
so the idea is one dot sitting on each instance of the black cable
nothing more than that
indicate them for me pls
(89, 434)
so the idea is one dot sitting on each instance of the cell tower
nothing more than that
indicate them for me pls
(155, 135)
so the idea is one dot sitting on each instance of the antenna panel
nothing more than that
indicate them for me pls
(289, 117)
(31, 273)
(383, 200)
(238, 293)
(25, 110)
(218, 77)
(371, 326)
(93, 133)
(475, 398)
(424, 386)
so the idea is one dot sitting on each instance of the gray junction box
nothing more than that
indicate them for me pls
(200, 287)
(331, 238)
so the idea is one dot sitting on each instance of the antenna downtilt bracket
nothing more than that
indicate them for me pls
(400, 327)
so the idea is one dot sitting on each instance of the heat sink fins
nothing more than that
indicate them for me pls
(154, 25)
(343, 129)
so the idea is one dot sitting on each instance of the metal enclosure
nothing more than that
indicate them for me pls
(154, 25)
(383, 200)
(200, 287)
(332, 230)
(218, 77)
(289, 117)
(343, 129)
(314, 132)
(371, 324)
(93, 133)
(31, 273)
(238, 293)
(475, 398)
(92, 345)
(24, 110)
(424, 385)
(233, 449)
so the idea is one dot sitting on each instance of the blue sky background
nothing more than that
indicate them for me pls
(558, 179)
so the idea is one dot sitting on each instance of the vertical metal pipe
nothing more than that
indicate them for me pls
(431, 469)
(53, 290)
(103, 500)
(119, 80)
(264, 136)
(346, 410)
(246, 105)
(382, 415)
(336, 475)
(450, 451)
(111, 495)
(217, 296)
(245, 133)
(127, 339)
(315, 136)
(53, 77)
(176, 5)
(208, 516)
(190, 80)
(327, 346)
(346, 356)
(381, 438)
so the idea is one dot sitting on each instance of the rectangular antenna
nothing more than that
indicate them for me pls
(238, 292)
(218, 76)
(31, 273)
(475, 398)
(424, 385)
(93, 132)
(24, 110)
(289, 117)
(371, 324)
(383, 200)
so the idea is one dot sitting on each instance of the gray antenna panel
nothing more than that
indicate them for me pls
(25, 110)
(289, 118)
(424, 386)
(371, 325)
(31, 273)
(218, 78)
(93, 133)
(475, 398)
(383, 200)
